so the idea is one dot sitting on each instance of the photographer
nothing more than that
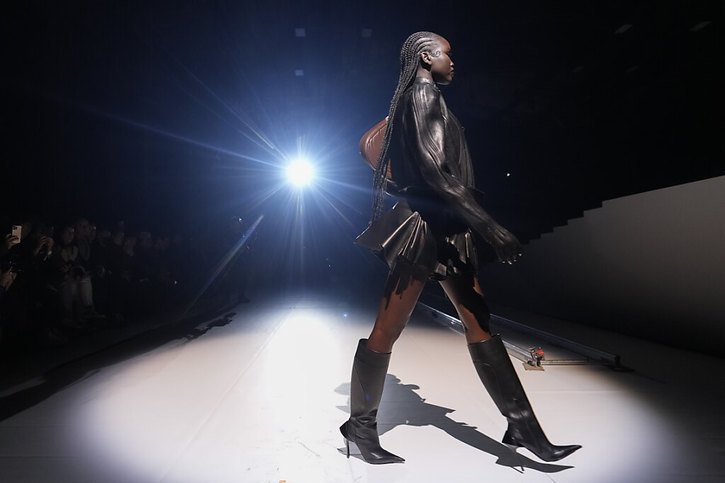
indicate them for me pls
(29, 308)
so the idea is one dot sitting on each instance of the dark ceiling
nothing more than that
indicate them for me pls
(114, 107)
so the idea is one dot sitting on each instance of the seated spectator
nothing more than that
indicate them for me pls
(30, 308)
(76, 288)
(82, 240)
(101, 253)
(7, 277)
(50, 289)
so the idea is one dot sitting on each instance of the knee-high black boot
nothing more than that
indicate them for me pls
(366, 388)
(494, 367)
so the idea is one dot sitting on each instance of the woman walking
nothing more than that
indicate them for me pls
(428, 234)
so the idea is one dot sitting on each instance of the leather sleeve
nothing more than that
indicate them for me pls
(425, 130)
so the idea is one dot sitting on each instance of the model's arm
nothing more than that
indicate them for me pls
(424, 129)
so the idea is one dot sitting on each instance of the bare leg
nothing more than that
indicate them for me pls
(467, 297)
(401, 294)
(497, 374)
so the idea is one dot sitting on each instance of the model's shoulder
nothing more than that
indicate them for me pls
(421, 84)
(424, 92)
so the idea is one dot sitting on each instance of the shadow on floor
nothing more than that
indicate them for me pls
(420, 413)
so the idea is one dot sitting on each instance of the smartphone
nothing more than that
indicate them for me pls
(17, 231)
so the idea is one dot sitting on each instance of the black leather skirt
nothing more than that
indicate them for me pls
(429, 242)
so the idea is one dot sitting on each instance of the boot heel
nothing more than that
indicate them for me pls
(499, 377)
(509, 441)
(346, 439)
(366, 389)
(352, 448)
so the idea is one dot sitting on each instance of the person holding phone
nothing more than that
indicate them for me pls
(12, 238)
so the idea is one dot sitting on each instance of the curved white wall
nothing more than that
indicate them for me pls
(651, 264)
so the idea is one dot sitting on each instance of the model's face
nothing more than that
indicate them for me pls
(441, 64)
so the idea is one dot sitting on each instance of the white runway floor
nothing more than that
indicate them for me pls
(258, 397)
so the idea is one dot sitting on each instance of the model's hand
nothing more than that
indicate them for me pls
(505, 244)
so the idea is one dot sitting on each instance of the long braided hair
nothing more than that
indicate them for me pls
(413, 46)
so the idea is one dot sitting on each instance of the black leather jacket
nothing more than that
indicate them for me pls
(430, 228)
(431, 165)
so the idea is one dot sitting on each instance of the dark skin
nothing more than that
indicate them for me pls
(463, 290)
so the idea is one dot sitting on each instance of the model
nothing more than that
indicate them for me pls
(428, 234)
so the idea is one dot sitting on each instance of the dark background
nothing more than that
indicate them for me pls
(174, 114)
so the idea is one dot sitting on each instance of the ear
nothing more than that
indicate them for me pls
(426, 58)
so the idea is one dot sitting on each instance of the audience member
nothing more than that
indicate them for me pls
(55, 290)
(76, 287)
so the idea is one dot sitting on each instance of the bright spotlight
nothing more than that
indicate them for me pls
(300, 172)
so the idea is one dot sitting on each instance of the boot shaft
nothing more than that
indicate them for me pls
(367, 381)
(499, 377)
(497, 373)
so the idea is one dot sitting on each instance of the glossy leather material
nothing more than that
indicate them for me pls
(494, 367)
(430, 156)
(371, 145)
(403, 235)
(366, 389)
(433, 174)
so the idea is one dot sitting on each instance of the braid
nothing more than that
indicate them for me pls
(413, 46)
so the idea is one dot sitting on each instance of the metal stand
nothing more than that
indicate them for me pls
(535, 357)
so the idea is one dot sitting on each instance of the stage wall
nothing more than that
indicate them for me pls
(650, 265)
